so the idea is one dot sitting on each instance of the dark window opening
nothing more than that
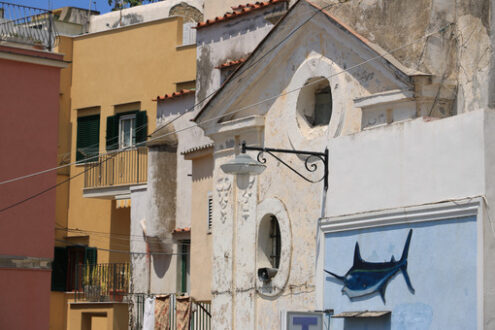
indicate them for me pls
(275, 242)
(68, 264)
(184, 266)
(323, 107)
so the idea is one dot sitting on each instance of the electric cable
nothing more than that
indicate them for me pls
(127, 252)
(231, 78)
(47, 189)
(123, 237)
(230, 113)
(176, 118)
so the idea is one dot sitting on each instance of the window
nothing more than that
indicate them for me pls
(183, 268)
(67, 266)
(189, 33)
(210, 212)
(269, 242)
(275, 241)
(323, 107)
(314, 104)
(126, 129)
(88, 137)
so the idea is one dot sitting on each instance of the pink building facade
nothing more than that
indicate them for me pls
(29, 106)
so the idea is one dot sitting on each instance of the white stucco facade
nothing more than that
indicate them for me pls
(394, 143)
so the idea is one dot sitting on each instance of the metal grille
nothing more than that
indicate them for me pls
(27, 25)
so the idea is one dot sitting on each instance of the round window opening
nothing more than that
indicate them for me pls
(314, 103)
(269, 247)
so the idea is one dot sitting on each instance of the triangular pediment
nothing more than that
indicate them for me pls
(306, 38)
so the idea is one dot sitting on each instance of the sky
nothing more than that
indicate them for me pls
(101, 5)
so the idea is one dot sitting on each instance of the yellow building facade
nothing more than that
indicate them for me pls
(113, 78)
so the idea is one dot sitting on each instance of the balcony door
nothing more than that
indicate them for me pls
(127, 131)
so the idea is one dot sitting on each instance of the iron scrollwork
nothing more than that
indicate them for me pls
(308, 164)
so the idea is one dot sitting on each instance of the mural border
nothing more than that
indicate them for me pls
(445, 210)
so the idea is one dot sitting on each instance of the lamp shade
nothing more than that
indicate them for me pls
(243, 164)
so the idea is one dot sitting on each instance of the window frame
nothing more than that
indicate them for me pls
(132, 132)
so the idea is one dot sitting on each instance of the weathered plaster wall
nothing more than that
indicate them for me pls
(140, 14)
(222, 42)
(409, 163)
(178, 112)
(459, 57)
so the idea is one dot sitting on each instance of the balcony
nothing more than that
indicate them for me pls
(101, 282)
(111, 176)
(26, 25)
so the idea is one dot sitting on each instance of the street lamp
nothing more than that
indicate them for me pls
(243, 164)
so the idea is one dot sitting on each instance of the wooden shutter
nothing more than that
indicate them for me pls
(141, 126)
(90, 256)
(112, 137)
(59, 269)
(88, 137)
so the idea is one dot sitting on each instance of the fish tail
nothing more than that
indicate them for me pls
(334, 275)
(403, 261)
(406, 277)
(405, 252)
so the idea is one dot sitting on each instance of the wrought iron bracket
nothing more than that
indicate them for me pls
(310, 155)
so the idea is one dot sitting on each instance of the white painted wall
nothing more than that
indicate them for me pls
(138, 14)
(408, 163)
(225, 41)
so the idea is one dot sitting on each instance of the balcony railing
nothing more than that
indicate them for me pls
(27, 25)
(124, 168)
(102, 282)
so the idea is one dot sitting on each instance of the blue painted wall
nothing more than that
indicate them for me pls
(441, 266)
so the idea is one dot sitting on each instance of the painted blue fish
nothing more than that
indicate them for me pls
(365, 278)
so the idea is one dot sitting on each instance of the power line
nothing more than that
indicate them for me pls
(123, 237)
(127, 252)
(179, 116)
(234, 111)
(47, 189)
(232, 78)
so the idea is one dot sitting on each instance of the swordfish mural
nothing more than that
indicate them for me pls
(365, 278)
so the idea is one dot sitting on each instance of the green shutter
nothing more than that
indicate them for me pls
(59, 269)
(90, 256)
(112, 137)
(88, 137)
(141, 126)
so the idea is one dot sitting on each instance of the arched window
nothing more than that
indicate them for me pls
(269, 242)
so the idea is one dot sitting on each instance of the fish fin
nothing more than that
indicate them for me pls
(382, 294)
(357, 255)
(406, 277)
(392, 259)
(405, 252)
(334, 275)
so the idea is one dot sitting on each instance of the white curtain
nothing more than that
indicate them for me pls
(149, 314)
